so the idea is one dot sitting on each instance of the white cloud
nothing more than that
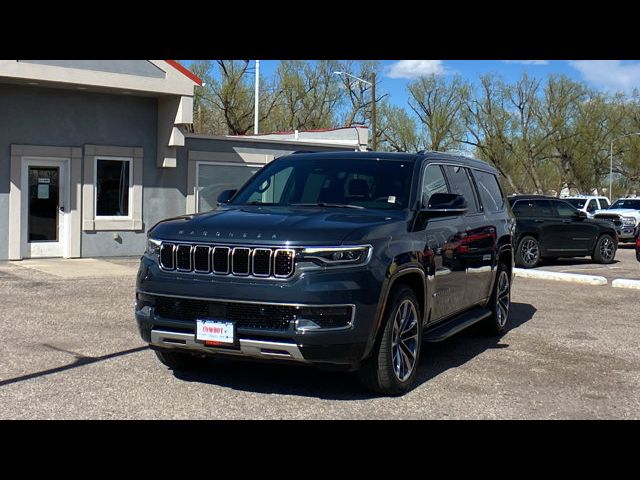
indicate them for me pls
(528, 62)
(611, 75)
(415, 68)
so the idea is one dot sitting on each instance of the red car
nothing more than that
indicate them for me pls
(638, 247)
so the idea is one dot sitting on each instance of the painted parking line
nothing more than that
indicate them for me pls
(561, 277)
(626, 283)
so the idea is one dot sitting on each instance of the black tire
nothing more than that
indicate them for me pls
(500, 302)
(178, 360)
(605, 251)
(528, 252)
(378, 372)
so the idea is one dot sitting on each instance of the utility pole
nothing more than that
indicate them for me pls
(256, 98)
(374, 141)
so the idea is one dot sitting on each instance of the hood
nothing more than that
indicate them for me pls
(263, 225)
(619, 211)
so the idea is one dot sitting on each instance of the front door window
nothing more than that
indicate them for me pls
(44, 186)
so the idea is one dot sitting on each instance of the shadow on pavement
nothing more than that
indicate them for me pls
(80, 361)
(287, 379)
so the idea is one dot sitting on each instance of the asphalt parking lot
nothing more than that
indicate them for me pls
(625, 265)
(71, 350)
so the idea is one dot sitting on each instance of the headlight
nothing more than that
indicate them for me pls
(335, 256)
(629, 221)
(153, 246)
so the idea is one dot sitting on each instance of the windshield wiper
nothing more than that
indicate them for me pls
(323, 204)
(258, 202)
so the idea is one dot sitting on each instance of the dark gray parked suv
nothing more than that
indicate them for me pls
(346, 260)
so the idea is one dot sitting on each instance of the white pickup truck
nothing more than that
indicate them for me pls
(625, 215)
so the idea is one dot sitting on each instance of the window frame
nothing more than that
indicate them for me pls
(467, 169)
(129, 215)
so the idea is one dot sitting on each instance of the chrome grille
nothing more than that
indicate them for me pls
(283, 263)
(201, 259)
(167, 258)
(221, 260)
(261, 259)
(183, 258)
(264, 262)
(240, 261)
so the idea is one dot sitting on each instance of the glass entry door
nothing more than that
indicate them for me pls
(44, 204)
(45, 194)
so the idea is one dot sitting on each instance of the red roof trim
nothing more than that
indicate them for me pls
(185, 71)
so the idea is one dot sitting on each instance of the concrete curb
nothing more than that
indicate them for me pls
(626, 283)
(560, 277)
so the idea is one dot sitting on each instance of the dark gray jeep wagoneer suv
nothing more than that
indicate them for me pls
(347, 260)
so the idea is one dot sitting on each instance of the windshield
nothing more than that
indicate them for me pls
(330, 182)
(633, 203)
(576, 202)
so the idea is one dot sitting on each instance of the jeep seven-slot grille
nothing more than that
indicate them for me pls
(223, 260)
(245, 315)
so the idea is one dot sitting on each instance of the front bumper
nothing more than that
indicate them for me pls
(627, 233)
(357, 288)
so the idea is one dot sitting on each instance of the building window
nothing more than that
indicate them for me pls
(113, 185)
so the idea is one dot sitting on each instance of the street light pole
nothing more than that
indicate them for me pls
(256, 98)
(374, 130)
(374, 123)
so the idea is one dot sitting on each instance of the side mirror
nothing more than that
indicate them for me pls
(226, 195)
(444, 204)
(581, 215)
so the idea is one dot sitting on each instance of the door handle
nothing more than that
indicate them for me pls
(539, 221)
(566, 221)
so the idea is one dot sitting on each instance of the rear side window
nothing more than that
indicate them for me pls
(489, 190)
(604, 203)
(564, 209)
(532, 208)
(591, 206)
(461, 184)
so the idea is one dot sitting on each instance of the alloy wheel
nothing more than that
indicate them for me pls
(530, 252)
(607, 249)
(404, 343)
(503, 299)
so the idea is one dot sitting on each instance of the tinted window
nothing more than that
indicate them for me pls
(112, 188)
(532, 208)
(370, 183)
(489, 190)
(576, 202)
(592, 207)
(564, 209)
(433, 182)
(604, 203)
(460, 183)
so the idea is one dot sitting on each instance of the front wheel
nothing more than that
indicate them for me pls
(605, 250)
(391, 369)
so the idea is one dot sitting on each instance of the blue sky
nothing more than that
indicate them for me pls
(604, 75)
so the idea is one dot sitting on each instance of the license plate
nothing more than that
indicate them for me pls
(214, 332)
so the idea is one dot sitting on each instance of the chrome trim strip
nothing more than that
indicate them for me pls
(253, 266)
(208, 270)
(233, 254)
(250, 348)
(213, 261)
(190, 259)
(293, 262)
(173, 256)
